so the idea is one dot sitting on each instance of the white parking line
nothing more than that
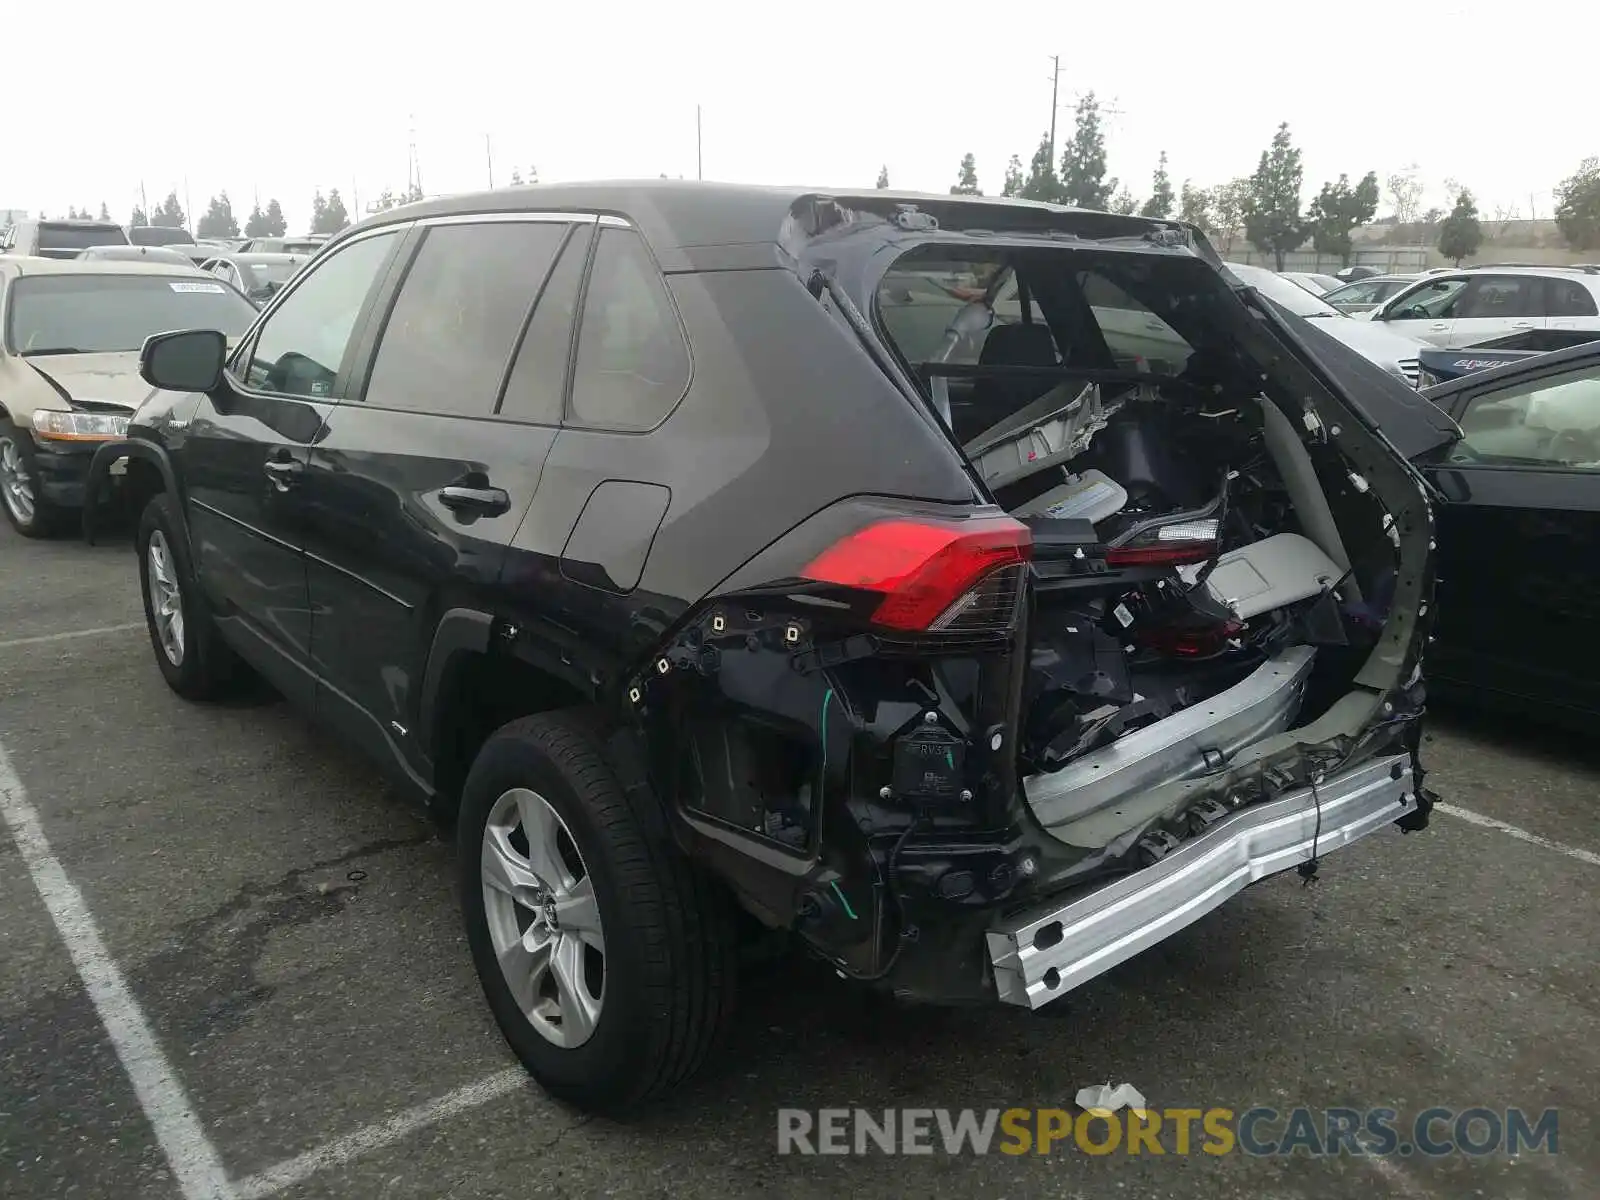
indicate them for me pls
(374, 1137)
(190, 1154)
(44, 638)
(1474, 818)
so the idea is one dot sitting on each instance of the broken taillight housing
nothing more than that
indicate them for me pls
(1167, 545)
(1198, 639)
(936, 576)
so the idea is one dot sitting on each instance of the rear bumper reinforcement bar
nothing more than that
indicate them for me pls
(1041, 955)
(1262, 704)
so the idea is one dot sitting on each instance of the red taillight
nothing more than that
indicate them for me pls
(1170, 555)
(1190, 641)
(922, 568)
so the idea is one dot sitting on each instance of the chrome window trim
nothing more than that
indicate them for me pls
(501, 218)
(239, 385)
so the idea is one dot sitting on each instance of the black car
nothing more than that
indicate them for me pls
(1519, 536)
(1441, 366)
(840, 565)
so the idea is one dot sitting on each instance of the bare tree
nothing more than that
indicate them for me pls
(1404, 189)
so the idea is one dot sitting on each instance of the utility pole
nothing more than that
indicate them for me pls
(1055, 85)
(144, 203)
(699, 172)
(488, 154)
(188, 208)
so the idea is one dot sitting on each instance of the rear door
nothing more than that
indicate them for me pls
(1570, 305)
(1494, 305)
(420, 479)
(1519, 540)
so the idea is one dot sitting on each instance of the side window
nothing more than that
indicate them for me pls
(1434, 300)
(1568, 298)
(1501, 296)
(302, 344)
(1357, 293)
(538, 381)
(633, 365)
(455, 322)
(1134, 334)
(1548, 423)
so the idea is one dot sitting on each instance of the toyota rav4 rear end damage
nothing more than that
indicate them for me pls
(1170, 647)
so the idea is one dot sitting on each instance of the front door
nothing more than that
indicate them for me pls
(1426, 310)
(251, 440)
(427, 466)
(1519, 541)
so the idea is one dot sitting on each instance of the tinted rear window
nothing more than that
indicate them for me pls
(160, 235)
(83, 314)
(79, 237)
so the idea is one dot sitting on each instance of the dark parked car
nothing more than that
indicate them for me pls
(734, 558)
(1441, 366)
(159, 235)
(1519, 536)
(60, 239)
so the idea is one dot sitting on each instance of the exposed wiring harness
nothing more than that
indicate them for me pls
(891, 886)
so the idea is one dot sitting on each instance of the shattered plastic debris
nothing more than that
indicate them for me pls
(1105, 1099)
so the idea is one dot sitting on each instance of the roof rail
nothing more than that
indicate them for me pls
(1586, 268)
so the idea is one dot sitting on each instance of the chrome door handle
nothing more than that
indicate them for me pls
(283, 472)
(488, 501)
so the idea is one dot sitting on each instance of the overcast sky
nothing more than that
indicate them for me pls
(324, 96)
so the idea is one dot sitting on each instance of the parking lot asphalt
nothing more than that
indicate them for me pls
(286, 929)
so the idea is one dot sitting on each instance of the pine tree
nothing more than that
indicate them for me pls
(966, 183)
(1272, 218)
(276, 226)
(1013, 180)
(138, 218)
(1042, 182)
(334, 216)
(219, 221)
(1161, 198)
(1083, 160)
(169, 213)
(883, 176)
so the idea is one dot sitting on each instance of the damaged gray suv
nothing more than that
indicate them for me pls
(977, 591)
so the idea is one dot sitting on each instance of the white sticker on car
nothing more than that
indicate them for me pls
(197, 287)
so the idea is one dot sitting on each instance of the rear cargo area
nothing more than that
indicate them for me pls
(1213, 574)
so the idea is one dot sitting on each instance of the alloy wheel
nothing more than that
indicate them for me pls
(544, 922)
(166, 598)
(16, 484)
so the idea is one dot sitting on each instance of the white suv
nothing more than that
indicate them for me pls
(1463, 308)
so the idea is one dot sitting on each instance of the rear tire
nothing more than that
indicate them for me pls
(29, 512)
(193, 658)
(649, 1013)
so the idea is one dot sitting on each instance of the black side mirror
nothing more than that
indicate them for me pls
(189, 360)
